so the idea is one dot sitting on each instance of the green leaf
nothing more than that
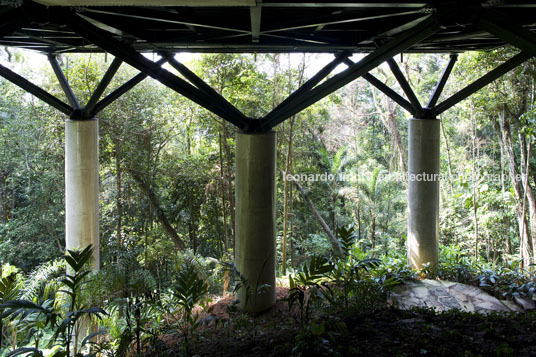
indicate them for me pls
(317, 329)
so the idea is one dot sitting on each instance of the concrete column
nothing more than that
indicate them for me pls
(82, 186)
(255, 216)
(423, 192)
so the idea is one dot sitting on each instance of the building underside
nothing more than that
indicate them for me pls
(378, 29)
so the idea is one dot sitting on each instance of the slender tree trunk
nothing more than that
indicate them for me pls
(160, 215)
(3, 196)
(475, 180)
(359, 229)
(336, 245)
(193, 236)
(332, 212)
(229, 182)
(223, 201)
(291, 231)
(527, 189)
(285, 195)
(373, 231)
(496, 125)
(506, 140)
(388, 119)
(119, 202)
(449, 163)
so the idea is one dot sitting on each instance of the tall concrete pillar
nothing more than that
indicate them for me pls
(423, 192)
(255, 217)
(82, 186)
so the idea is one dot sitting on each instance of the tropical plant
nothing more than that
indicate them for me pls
(66, 317)
(8, 291)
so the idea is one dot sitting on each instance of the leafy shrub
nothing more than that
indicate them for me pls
(65, 319)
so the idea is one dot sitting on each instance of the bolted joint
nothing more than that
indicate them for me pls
(255, 126)
(426, 113)
(80, 114)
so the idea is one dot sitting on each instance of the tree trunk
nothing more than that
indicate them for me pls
(119, 205)
(223, 200)
(449, 164)
(528, 192)
(3, 196)
(359, 229)
(475, 180)
(336, 245)
(388, 119)
(496, 126)
(229, 181)
(285, 196)
(291, 231)
(160, 215)
(506, 140)
(373, 231)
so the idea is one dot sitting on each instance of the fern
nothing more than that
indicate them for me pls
(43, 281)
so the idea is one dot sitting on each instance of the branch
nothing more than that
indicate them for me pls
(160, 215)
(336, 245)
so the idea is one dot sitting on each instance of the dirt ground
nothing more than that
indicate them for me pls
(386, 332)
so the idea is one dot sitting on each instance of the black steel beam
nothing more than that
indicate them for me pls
(201, 85)
(385, 89)
(406, 87)
(35, 90)
(422, 30)
(9, 28)
(148, 14)
(514, 34)
(293, 26)
(442, 81)
(304, 89)
(482, 82)
(134, 81)
(103, 84)
(10, 21)
(63, 82)
(390, 93)
(108, 43)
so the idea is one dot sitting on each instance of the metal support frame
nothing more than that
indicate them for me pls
(422, 30)
(108, 43)
(482, 82)
(10, 21)
(404, 84)
(92, 108)
(516, 35)
(270, 120)
(390, 93)
(101, 87)
(200, 84)
(385, 89)
(433, 109)
(110, 98)
(35, 90)
(64, 83)
(312, 91)
(442, 81)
